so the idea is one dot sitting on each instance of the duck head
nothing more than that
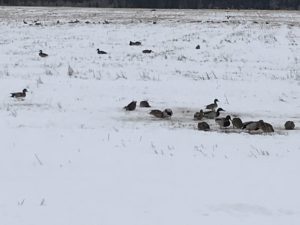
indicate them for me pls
(169, 112)
(228, 117)
(25, 90)
(261, 123)
(216, 100)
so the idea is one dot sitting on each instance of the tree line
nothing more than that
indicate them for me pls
(172, 4)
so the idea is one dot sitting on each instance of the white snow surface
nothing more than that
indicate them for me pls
(71, 155)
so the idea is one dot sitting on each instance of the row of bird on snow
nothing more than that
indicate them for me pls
(213, 112)
(101, 52)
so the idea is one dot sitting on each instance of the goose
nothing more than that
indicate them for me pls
(131, 106)
(203, 126)
(42, 54)
(101, 52)
(147, 51)
(162, 114)
(223, 122)
(199, 115)
(145, 104)
(19, 94)
(237, 123)
(289, 125)
(213, 106)
(135, 43)
(213, 114)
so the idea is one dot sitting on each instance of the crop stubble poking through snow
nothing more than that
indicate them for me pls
(69, 149)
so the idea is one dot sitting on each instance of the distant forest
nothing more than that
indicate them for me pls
(174, 4)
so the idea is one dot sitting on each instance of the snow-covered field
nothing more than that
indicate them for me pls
(70, 154)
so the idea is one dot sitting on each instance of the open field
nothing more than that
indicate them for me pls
(71, 155)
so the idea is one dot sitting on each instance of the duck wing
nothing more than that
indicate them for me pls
(157, 113)
(210, 114)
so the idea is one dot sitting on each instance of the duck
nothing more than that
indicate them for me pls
(258, 125)
(223, 122)
(42, 54)
(101, 52)
(135, 43)
(147, 51)
(19, 94)
(237, 123)
(167, 113)
(266, 127)
(252, 125)
(199, 115)
(213, 106)
(131, 106)
(203, 126)
(212, 114)
(289, 125)
(145, 104)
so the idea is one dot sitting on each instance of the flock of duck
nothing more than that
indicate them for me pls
(212, 112)
(101, 52)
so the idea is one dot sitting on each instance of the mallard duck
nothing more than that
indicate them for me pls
(203, 126)
(101, 52)
(213, 114)
(135, 43)
(131, 106)
(162, 114)
(157, 113)
(223, 122)
(253, 125)
(213, 106)
(147, 51)
(289, 125)
(42, 54)
(19, 94)
(237, 123)
(199, 115)
(145, 104)
(266, 127)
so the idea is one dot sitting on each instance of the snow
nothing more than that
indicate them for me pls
(71, 155)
